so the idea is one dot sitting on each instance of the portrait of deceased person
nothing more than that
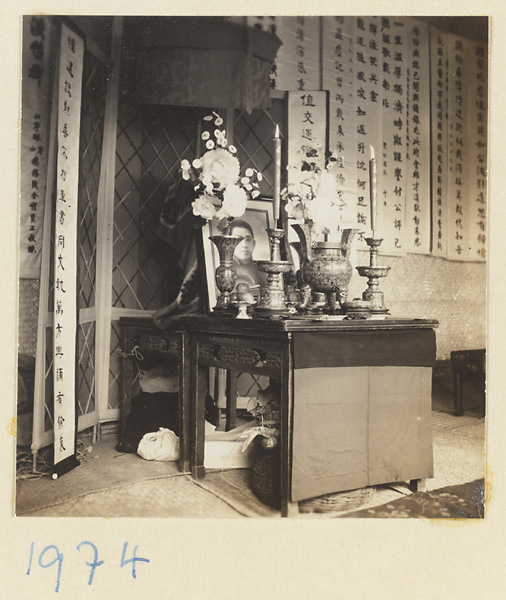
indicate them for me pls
(245, 256)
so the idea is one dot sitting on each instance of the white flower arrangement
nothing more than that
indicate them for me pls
(312, 196)
(221, 192)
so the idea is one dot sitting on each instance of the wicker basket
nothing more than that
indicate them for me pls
(266, 472)
(342, 501)
(265, 484)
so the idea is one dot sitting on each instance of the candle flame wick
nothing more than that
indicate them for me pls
(277, 131)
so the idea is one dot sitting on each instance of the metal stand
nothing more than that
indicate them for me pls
(272, 296)
(373, 295)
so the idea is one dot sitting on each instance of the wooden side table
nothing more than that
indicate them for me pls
(355, 396)
(467, 363)
(168, 344)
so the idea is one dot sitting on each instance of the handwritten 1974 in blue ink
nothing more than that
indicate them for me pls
(51, 555)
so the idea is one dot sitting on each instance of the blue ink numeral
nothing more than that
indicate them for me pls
(31, 558)
(93, 564)
(45, 560)
(131, 560)
(58, 558)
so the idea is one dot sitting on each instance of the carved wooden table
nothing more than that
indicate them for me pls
(142, 335)
(355, 396)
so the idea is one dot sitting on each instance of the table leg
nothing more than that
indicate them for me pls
(126, 392)
(184, 407)
(484, 394)
(198, 414)
(286, 384)
(459, 394)
(231, 394)
(418, 485)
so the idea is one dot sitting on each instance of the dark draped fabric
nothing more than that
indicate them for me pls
(178, 230)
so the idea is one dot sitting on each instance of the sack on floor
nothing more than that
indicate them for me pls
(161, 445)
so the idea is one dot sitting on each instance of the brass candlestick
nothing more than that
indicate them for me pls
(272, 296)
(374, 272)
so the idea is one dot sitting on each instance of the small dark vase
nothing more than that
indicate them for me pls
(225, 274)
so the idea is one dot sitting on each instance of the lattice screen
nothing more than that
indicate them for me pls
(92, 126)
(151, 142)
(94, 84)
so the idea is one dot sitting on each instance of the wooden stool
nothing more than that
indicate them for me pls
(466, 363)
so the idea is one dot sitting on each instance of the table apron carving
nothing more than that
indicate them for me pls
(153, 342)
(240, 356)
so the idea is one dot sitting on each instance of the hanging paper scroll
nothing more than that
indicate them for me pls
(439, 125)
(387, 81)
(307, 128)
(337, 69)
(418, 214)
(307, 125)
(392, 174)
(459, 109)
(367, 102)
(65, 243)
(477, 87)
(297, 64)
(458, 152)
(34, 141)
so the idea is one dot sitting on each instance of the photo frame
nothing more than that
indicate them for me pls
(260, 216)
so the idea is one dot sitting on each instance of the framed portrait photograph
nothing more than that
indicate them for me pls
(252, 227)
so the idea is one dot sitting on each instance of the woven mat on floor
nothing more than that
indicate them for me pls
(465, 501)
(110, 484)
(166, 498)
(233, 487)
(101, 469)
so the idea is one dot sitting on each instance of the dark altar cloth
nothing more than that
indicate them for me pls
(409, 348)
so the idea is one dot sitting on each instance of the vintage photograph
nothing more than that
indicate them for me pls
(254, 246)
(253, 267)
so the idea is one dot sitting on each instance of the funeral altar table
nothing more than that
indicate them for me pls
(355, 396)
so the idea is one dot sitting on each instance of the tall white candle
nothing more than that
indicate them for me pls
(277, 174)
(372, 189)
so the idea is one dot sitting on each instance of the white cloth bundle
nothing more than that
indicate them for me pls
(161, 445)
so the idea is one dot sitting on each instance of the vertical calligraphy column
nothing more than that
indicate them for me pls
(307, 129)
(392, 184)
(458, 153)
(367, 97)
(65, 251)
(297, 64)
(477, 98)
(439, 124)
(338, 79)
(34, 141)
(418, 211)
